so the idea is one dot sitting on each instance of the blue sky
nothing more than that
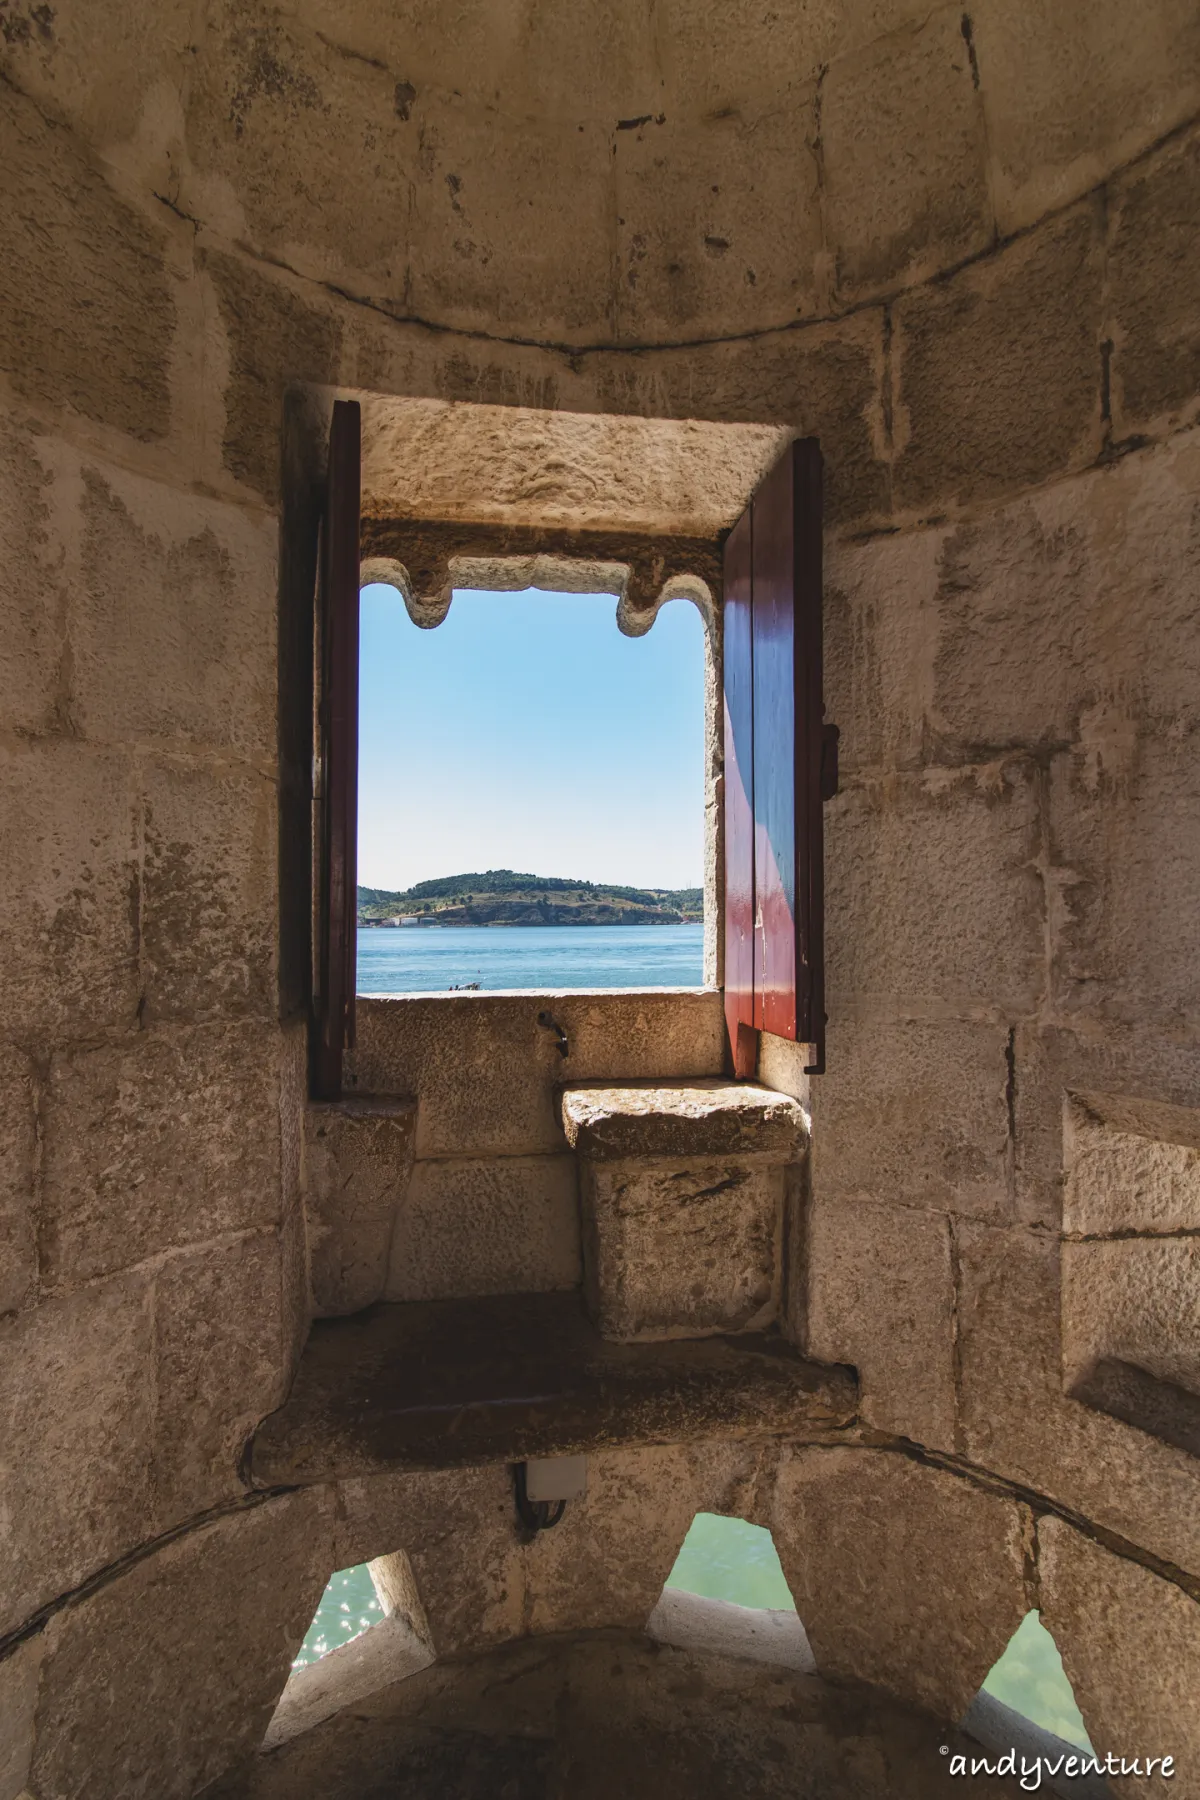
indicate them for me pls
(527, 733)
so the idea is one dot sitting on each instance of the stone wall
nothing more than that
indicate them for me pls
(961, 248)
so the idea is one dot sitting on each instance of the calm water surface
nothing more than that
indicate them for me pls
(427, 959)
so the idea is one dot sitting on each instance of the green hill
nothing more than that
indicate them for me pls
(505, 897)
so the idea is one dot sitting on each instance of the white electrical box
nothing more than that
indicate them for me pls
(556, 1478)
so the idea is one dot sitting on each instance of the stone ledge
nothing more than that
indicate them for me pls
(709, 1117)
(1161, 1408)
(462, 1383)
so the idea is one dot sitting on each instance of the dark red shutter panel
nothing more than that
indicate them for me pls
(739, 800)
(773, 673)
(338, 754)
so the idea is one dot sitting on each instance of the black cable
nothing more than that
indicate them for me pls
(535, 1515)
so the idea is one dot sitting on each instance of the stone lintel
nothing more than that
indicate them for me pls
(426, 548)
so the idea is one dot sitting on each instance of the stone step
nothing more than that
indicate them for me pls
(503, 1378)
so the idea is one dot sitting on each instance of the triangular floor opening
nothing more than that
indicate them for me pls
(368, 1632)
(349, 1606)
(727, 1594)
(1026, 1706)
(1030, 1680)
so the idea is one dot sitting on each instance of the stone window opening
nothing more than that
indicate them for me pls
(727, 1593)
(433, 496)
(1026, 1702)
(526, 728)
(558, 501)
(369, 1631)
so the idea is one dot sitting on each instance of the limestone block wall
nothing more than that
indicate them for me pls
(488, 1201)
(960, 248)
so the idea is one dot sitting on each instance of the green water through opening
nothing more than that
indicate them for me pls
(729, 1559)
(349, 1606)
(1030, 1678)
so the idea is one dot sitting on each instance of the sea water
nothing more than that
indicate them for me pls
(426, 959)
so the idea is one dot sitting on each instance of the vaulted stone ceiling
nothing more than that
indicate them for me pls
(614, 172)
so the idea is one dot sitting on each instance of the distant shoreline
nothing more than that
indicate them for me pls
(624, 923)
(506, 897)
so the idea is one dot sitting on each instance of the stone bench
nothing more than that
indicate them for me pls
(683, 1192)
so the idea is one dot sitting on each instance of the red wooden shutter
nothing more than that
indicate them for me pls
(774, 743)
(337, 757)
(739, 798)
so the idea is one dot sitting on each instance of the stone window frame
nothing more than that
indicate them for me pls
(425, 561)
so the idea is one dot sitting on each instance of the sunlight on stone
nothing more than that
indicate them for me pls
(349, 1606)
(1030, 1678)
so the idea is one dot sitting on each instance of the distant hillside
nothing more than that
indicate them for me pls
(504, 897)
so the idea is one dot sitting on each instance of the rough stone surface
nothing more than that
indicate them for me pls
(1057, 617)
(904, 149)
(166, 1721)
(1129, 1165)
(954, 1560)
(576, 1716)
(723, 213)
(267, 97)
(208, 891)
(606, 1562)
(1135, 1299)
(603, 1565)
(485, 1225)
(18, 1147)
(76, 1423)
(433, 460)
(679, 1248)
(1136, 1063)
(486, 1074)
(1062, 617)
(389, 1652)
(19, 1675)
(880, 1295)
(68, 886)
(999, 369)
(681, 1119)
(222, 1363)
(932, 878)
(1017, 1421)
(357, 1159)
(85, 293)
(824, 380)
(498, 199)
(179, 584)
(1130, 874)
(915, 1116)
(1130, 1644)
(489, 1379)
(1072, 92)
(32, 648)
(468, 1601)
(274, 337)
(168, 1138)
(108, 70)
(721, 1628)
(1153, 277)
